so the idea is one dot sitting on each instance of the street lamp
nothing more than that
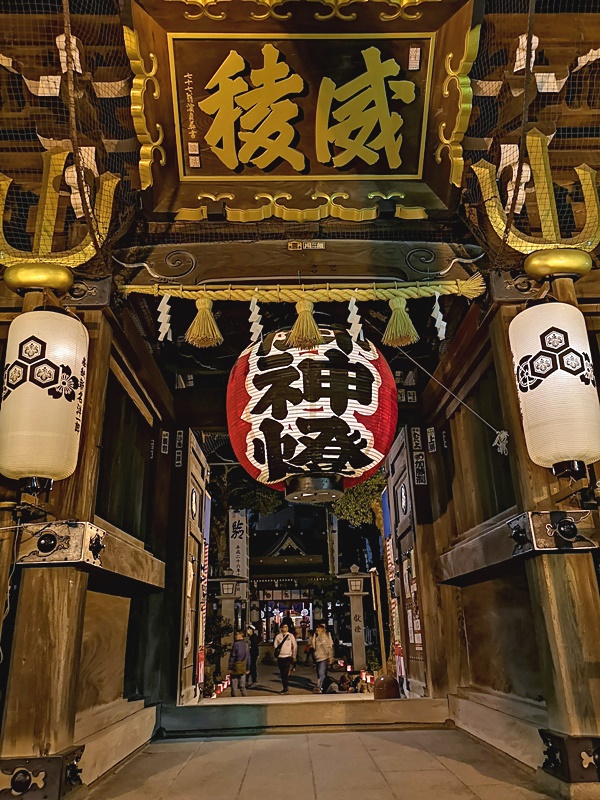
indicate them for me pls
(228, 587)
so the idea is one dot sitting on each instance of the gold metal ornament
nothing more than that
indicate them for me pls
(204, 6)
(270, 6)
(336, 8)
(43, 266)
(142, 78)
(557, 263)
(275, 208)
(402, 8)
(460, 78)
(30, 276)
(537, 147)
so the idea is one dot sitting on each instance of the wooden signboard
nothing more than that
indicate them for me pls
(300, 111)
(272, 109)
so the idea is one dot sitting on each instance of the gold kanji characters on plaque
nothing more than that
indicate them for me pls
(363, 124)
(253, 123)
(265, 128)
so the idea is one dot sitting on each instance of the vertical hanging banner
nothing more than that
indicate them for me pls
(238, 542)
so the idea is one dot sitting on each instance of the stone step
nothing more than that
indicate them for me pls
(227, 716)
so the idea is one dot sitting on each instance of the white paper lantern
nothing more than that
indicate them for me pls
(556, 385)
(42, 396)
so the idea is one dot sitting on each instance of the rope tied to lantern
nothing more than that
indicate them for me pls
(204, 331)
(400, 330)
(305, 333)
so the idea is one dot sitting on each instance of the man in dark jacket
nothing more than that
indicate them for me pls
(253, 641)
(238, 660)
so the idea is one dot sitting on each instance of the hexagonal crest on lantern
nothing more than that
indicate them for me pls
(45, 373)
(16, 375)
(32, 349)
(555, 340)
(571, 361)
(543, 364)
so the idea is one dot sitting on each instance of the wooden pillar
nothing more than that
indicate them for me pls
(563, 588)
(39, 713)
(7, 542)
(450, 646)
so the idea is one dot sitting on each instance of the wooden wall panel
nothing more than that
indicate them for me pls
(102, 667)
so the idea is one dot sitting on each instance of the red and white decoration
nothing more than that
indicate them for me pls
(42, 395)
(330, 410)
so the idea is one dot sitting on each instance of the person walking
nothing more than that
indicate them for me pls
(289, 621)
(285, 652)
(323, 647)
(253, 641)
(304, 625)
(309, 650)
(238, 659)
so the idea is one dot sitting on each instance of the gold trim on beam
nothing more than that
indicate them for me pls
(204, 6)
(462, 82)
(335, 9)
(270, 6)
(274, 208)
(402, 7)
(143, 77)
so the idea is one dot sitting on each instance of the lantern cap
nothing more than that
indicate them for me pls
(570, 469)
(314, 488)
(29, 276)
(35, 485)
(544, 265)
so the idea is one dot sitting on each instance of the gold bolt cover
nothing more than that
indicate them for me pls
(30, 276)
(560, 263)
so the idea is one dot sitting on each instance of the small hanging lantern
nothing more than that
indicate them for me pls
(42, 395)
(311, 421)
(556, 387)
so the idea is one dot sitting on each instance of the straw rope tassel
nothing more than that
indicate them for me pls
(203, 332)
(305, 333)
(400, 331)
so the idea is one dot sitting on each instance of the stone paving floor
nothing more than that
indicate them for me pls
(375, 765)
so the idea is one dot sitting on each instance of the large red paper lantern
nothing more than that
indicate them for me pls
(311, 422)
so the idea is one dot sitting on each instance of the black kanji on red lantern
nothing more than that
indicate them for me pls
(277, 449)
(328, 409)
(277, 374)
(335, 447)
(337, 378)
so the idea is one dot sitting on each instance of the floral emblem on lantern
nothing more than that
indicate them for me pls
(587, 376)
(67, 385)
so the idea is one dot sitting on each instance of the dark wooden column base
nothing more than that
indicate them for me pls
(56, 775)
(39, 712)
(574, 759)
